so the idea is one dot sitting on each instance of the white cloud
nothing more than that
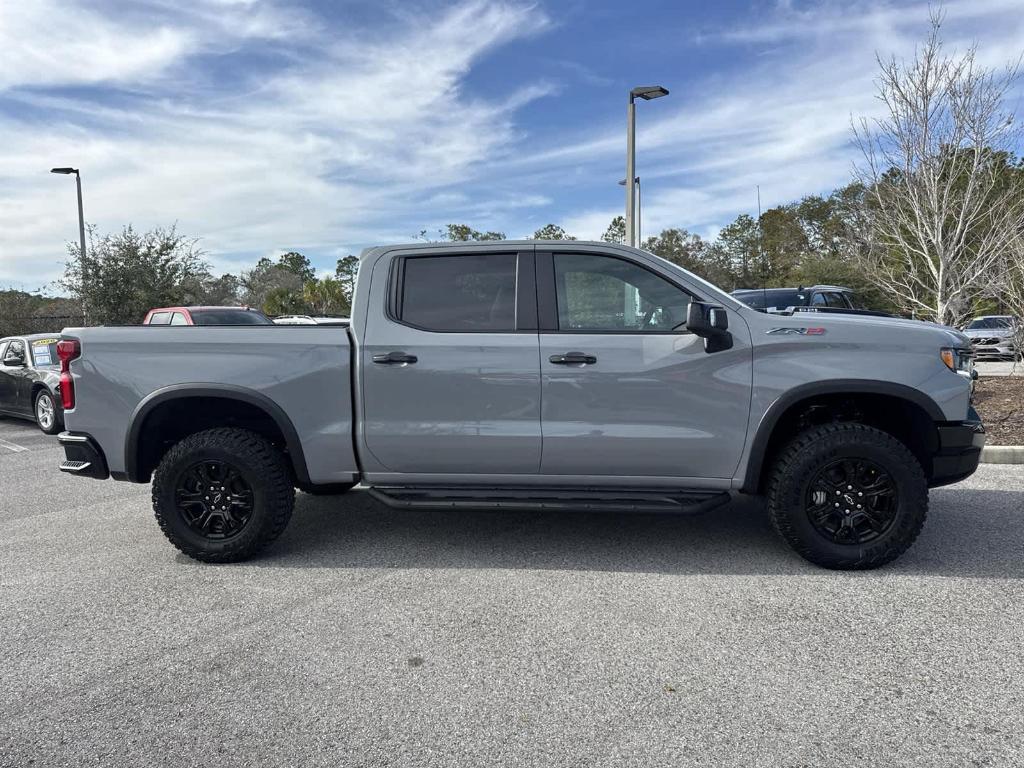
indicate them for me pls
(346, 138)
(343, 138)
(782, 123)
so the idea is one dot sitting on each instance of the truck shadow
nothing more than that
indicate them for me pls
(970, 532)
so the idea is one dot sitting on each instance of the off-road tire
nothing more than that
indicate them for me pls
(813, 449)
(58, 415)
(262, 466)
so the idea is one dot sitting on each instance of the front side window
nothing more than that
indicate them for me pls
(601, 293)
(160, 318)
(15, 352)
(474, 292)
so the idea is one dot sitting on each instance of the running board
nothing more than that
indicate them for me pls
(548, 499)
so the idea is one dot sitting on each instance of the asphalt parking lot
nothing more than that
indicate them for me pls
(369, 636)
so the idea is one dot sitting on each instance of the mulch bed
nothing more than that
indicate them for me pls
(1000, 401)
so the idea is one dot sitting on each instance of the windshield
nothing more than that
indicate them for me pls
(228, 317)
(989, 323)
(44, 353)
(773, 298)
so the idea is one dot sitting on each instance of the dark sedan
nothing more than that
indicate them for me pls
(30, 380)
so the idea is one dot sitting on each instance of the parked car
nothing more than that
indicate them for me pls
(206, 316)
(994, 337)
(814, 298)
(30, 380)
(294, 320)
(576, 376)
(308, 320)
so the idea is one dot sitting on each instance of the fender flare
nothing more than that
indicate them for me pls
(789, 398)
(224, 392)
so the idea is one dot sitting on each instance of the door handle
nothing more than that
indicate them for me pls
(395, 358)
(573, 358)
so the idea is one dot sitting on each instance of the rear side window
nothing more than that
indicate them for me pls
(459, 293)
(178, 319)
(160, 318)
(229, 317)
(834, 300)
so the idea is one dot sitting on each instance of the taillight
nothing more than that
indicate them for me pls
(67, 350)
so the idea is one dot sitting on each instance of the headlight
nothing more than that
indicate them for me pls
(958, 359)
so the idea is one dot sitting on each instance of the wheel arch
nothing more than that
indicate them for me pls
(221, 405)
(916, 426)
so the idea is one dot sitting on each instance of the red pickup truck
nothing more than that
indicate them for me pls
(206, 316)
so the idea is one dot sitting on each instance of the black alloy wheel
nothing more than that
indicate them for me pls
(851, 501)
(214, 499)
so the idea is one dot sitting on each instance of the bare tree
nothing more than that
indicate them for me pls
(944, 198)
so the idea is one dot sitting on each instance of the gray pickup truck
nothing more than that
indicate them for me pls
(536, 375)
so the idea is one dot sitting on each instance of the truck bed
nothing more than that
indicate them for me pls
(302, 370)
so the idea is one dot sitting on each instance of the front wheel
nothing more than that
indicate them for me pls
(848, 496)
(222, 495)
(48, 416)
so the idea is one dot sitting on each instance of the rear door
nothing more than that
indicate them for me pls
(450, 374)
(625, 390)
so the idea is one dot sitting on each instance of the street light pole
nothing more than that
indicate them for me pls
(645, 92)
(639, 209)
(81, 232)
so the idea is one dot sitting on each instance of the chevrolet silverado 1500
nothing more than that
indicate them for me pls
(538, 375)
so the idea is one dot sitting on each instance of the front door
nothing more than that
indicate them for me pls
(625, 389)
(450, 377)
(14, 384)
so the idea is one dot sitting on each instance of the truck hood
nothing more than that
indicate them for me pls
(952, 336)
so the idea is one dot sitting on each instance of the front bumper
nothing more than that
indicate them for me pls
(1002, 350)
(960, 444)
(82, 456)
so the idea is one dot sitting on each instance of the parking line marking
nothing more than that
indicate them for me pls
(12, 446)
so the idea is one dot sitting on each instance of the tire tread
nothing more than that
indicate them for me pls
(268, 462)
(783, 490)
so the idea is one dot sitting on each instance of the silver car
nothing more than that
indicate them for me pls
(993, 337)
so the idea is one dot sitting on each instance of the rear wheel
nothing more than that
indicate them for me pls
(223, 495)
(848, 496)
(48, 415)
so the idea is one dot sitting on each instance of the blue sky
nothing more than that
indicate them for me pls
(262, 126)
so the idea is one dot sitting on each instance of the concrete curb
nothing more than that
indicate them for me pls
(1002, 454)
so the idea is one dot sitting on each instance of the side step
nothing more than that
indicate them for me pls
(553, 499)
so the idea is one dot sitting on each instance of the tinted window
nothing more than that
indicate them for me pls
(988, 323)
(460, 293)
(159, 318)
(774, 298)
(178, 319)
(818, 300)
(836, 300)
(599, 293)
(228, 317)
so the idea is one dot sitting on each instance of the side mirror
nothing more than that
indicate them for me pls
(14, 362)
(711, 322)
(706, 319)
